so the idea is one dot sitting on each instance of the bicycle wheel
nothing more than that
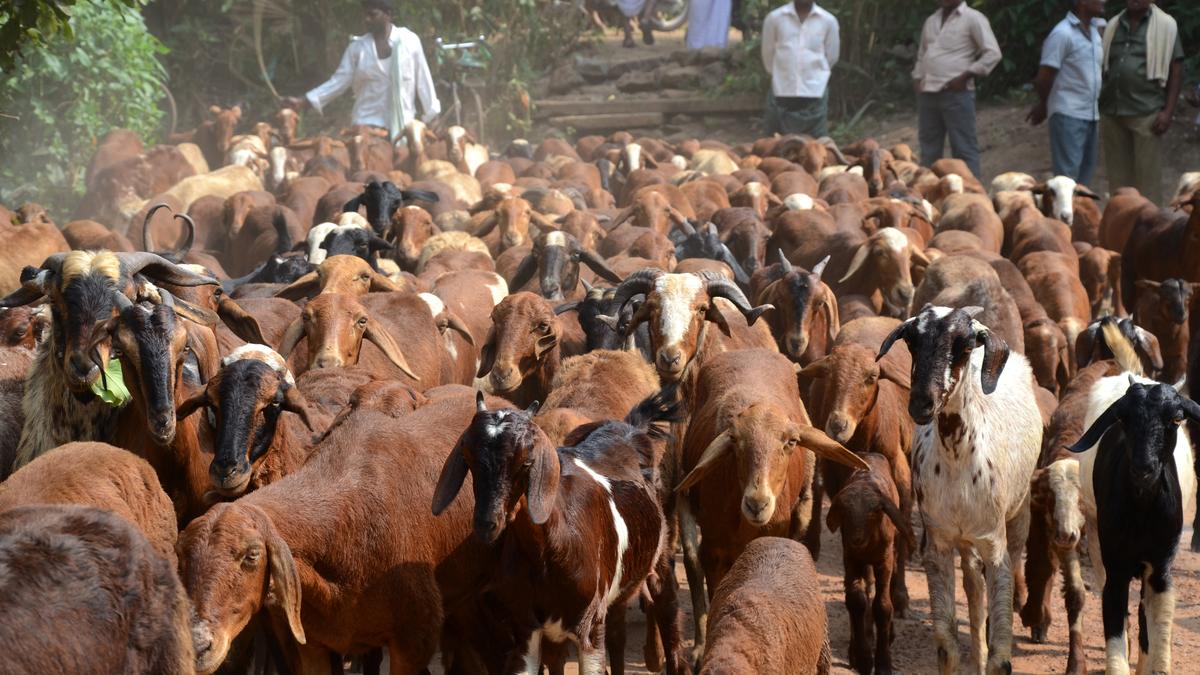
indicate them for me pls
(671, 14)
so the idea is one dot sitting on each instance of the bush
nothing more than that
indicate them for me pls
(63, 97)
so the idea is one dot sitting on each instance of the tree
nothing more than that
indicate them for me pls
(37, 22)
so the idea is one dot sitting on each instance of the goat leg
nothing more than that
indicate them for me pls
(1040, 565)
(614, 638)
(883, 610)
(812, 537)
(1076, 595)
(976, 607)
(939, 569)
(689, 540)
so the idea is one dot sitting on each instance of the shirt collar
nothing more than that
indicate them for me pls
(791, 9)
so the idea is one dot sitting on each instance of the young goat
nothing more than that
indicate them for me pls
(866, 510)
(1138, 480)
(579, 526)
(975, 447)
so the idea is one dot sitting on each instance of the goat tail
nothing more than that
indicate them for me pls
(663, 405)
(1122, 349)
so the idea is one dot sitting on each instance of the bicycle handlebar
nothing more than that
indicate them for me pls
(471, 44)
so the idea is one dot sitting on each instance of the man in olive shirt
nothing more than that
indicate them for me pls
(1143, 63)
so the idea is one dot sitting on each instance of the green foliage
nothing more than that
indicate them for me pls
(64, 96)
(301, 42)
(36, 22)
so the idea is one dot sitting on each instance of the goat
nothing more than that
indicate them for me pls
(887, 275)
(346, 274)
(92, 596)
(987, 434)
(867, 512)
(382, 200)
(1162, 308)
(747, 420)
(582, 541)
(554, 261)
(1141, 479)
(1134, 347)
(805, 321)
(768, 615)
(283, 548)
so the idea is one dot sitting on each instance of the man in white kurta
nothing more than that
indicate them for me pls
(387, 69)
(800, 46)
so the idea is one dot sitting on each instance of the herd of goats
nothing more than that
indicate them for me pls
(244, 390)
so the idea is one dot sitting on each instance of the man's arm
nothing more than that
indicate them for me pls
(339, 82)
(768, 44)
(833, 43)
(1174, 85)
(918, 72)
(989, 49)
(1053, 52)
(426, 93)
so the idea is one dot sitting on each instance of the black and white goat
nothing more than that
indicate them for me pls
(1136, 477)
(974, 450)
(579, 528)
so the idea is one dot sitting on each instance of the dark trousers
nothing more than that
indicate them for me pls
(948, 113)
(797, 115)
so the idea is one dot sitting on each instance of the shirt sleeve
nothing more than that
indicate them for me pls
(1177, 53)
(989, 56)
(833, 43)
(918, 72)
(768, 44)
(426, 92)
(1054, 50)
(338, 83)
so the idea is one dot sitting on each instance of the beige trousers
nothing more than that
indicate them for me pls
(1132, 155)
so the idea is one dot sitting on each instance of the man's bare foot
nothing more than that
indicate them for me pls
(629, 41)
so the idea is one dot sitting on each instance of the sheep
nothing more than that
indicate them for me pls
(768, 615)
(867, 511)
(1137, 482)
(295, 533)
(92, 596)
(101, 476)
(987, 434)
(747, 420)
(582, 541)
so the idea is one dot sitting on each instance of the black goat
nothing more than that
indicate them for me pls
(555, 258)
(382, 201)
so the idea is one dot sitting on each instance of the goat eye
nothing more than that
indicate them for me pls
(362, 321)
(115, 352)
(364, 277)
(544, 326)
(251, 558)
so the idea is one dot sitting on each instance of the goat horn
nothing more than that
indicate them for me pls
(784, 263)
(162, 269)
(147, 237)
(720, 287)
(820, 267)
(640, 282)
(188, 240)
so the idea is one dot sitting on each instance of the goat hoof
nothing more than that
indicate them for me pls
(1196, 541)
(1001, 668)
(1037, 634)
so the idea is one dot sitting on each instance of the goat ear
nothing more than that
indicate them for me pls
(283, 587)
(1147, 285)
(1095, 432)
(833, 519)
(1190, 409)
(901, 332)
(380, 283)
(456, 324)
(304, 287)
(714, 315)
(293, 402)
(487, 353)
(827, 304)
(860, 257)
(240, 322)
(191, 405)
(893, 512)
(487, 225)
(1147, 343)
(599, 266)
(291, 337)
(543, 481)
(454, 473)
(718, 448)
(197, 315)
(387, 344)
(524, 273)
(566, 307)
(1083, 191)
(816, 370)
(890, 369)
(825, 447)
(995, 355)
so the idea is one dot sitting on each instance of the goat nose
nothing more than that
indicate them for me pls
(669, 359)
(82, 368)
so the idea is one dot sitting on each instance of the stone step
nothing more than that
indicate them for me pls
(608, 121)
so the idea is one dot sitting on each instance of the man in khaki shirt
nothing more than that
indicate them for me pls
(957, 45)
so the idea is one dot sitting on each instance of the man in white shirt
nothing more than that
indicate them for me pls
(387, 69)
(957, 46)
(800, 45)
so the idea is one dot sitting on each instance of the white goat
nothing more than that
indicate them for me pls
(974, 450)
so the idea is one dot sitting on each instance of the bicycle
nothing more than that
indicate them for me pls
(462, 65)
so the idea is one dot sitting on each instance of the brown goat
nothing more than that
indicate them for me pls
(805, 320)
(101, 476)
(768, 615)
(747, 420)
(866, 511)
(522, 352)
(1163, 308)
(92, 596)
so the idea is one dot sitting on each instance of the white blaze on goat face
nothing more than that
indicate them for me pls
(555, 238)
(893, 239)
(353, 219)
(279, 156)
(798, 202)
(621, 528)
(1063, 190)
(679, 162)
(676, 292)
(954, 182)
(633, 156)
(436, 306)
(264, 354)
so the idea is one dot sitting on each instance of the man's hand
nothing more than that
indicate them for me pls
(1037, 114)
(296, 103)
(1162, 122)
(917, 85)
(958, 84)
